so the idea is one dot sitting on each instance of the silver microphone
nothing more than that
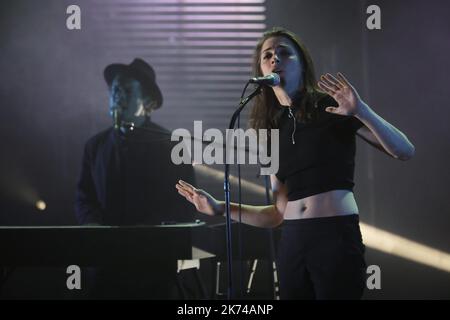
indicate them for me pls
(271, 80)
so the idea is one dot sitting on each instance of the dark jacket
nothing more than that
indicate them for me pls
(129, 179)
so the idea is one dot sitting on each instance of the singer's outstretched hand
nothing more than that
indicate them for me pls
(202, 200)
(343, 92)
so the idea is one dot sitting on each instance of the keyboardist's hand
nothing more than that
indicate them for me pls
(202, 200)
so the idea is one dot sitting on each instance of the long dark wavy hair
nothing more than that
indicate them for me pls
(264, 113)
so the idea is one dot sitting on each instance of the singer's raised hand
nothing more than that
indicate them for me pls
(202, 200)
(348, 99)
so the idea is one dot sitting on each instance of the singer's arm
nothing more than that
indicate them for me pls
(87, 207)
(383, 135)
(262, 216)
(377, 131)
(259, 216)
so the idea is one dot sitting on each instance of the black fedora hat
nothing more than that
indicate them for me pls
(141, 71)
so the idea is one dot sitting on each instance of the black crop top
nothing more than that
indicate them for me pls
(323, 156)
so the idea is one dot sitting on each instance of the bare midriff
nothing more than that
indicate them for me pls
(327, 204)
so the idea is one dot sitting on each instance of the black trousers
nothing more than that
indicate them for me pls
(322, 258)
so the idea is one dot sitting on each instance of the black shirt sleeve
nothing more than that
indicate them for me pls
(355, 124)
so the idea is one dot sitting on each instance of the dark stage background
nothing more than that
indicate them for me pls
(53, 98)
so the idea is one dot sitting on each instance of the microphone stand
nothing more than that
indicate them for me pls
(226, 187)
(273, 265)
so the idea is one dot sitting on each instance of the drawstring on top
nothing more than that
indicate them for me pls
(291, 115)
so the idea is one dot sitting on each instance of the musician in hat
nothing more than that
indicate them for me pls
(127, 169)
(125, 177)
